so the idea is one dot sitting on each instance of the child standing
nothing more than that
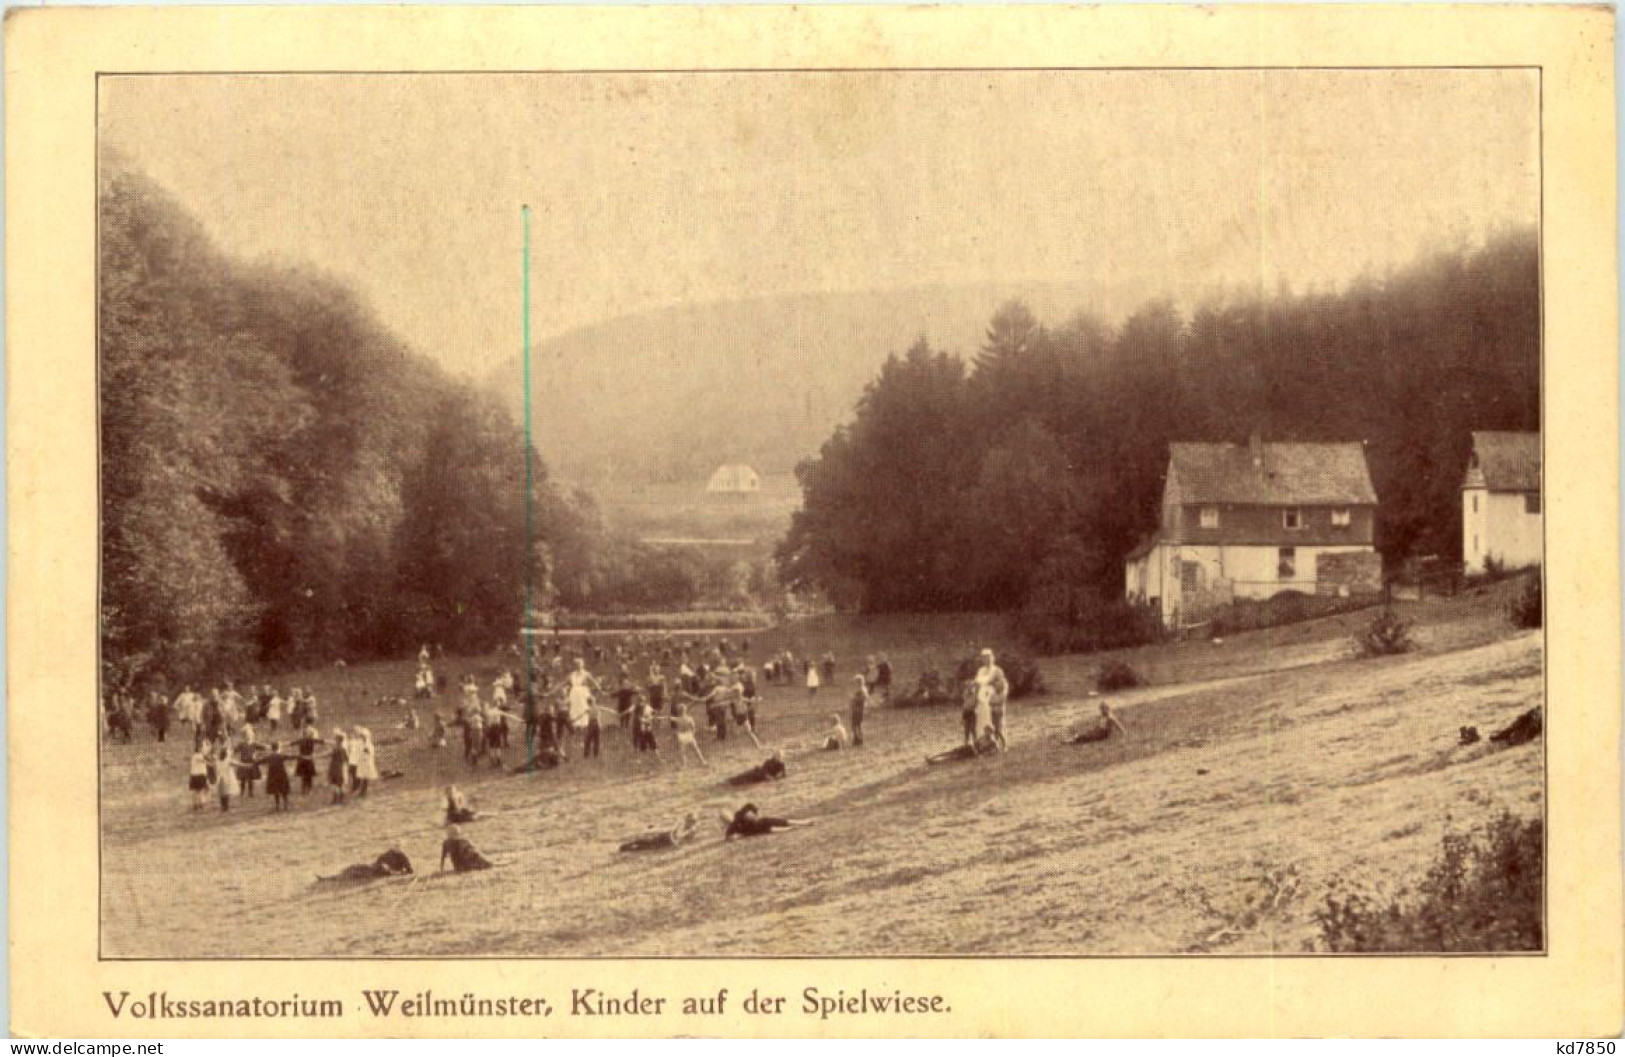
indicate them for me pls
(197, 779)
(366, 761)
(276, 776)
(860, 704)
(338, 767)
(306, 767)
(683, 724)
(593, 735)
(643, 726)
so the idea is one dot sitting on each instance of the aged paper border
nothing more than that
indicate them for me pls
(52, 59)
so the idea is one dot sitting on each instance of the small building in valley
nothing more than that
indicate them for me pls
(1501, 502)
(1253, 520)
(734, 478)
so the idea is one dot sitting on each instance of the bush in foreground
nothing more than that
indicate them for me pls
(931, 690)
(1386, 635)
(1482, 893)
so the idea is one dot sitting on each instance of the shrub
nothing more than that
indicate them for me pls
(930, 691)
(934, 689)
(1482, 893)
(1525, 609)
(1386, 635)
(1092, 624)
(1118, 675)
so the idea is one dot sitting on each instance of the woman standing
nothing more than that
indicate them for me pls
(225, 782)
(581, 687)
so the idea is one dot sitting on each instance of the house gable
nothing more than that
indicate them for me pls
(1504, 462)
(1269, 494)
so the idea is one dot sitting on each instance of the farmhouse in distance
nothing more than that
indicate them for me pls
(1500, 502)
(1252, 520)
(734, 478)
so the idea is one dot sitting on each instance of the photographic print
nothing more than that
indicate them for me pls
(789, 513)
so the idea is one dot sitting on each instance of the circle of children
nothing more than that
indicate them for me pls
(240, 740)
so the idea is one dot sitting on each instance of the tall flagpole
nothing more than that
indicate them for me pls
(529, 630)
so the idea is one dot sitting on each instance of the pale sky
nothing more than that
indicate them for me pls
(654, 189)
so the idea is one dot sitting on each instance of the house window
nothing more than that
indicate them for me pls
(1531, 503)
(1210, 517)
(1286, 567)
(1190, 576)
(1475, 504)
(1340, 518)
(1475, 543)
(1292, 519)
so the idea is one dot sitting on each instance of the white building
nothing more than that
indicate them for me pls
(734, 478)
(1249, 521)
(1501, 502)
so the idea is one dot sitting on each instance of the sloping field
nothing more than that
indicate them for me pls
(1273, 755)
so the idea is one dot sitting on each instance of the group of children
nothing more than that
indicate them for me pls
(233, 767)
(575, 697)
(560, 700)
(213, 717)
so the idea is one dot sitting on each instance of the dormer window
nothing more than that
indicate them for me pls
(1210, 517)
(1340, 518)
(1292, 519)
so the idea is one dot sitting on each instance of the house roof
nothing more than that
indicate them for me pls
(1287, 474)
(1509, 462)
(733, 477)
(1142, 548)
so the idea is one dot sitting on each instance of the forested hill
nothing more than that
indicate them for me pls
(669, 395)
(1036, 467)
(281, 477)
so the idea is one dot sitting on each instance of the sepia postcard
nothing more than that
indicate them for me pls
(704, 521)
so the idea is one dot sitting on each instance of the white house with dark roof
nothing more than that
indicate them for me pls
(1253, 520)
(1501, 502)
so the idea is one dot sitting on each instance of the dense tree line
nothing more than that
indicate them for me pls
(1028, 473)
(283, 480)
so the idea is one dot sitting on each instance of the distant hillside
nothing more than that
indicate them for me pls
(667, 395)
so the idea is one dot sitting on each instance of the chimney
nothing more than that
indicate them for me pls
(1255, 445)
